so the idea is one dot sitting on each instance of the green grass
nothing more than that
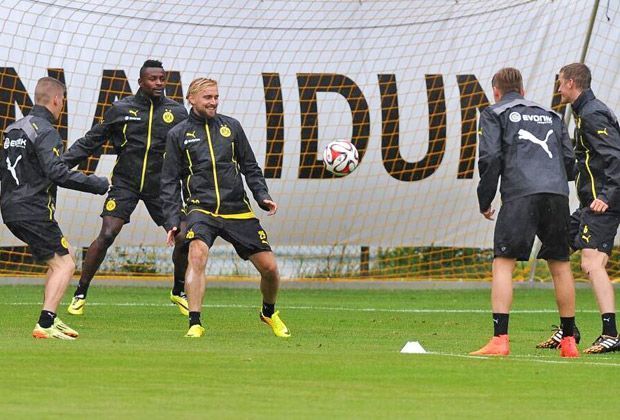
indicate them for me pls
(343, 360)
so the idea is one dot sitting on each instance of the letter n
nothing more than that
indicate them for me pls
(473, 100)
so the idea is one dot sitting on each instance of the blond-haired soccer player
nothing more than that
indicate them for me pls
(30, 169)
(527, 145)
(206, 157)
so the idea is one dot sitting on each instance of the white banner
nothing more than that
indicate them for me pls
(409, 43)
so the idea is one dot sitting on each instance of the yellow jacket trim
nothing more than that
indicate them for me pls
(191, 172)
(148, 146)
(247, 215)
(213, 163)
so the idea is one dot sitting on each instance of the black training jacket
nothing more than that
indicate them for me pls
(525, 144)
(31, 167)
(208, 157)
(597, 148)
(137, 126)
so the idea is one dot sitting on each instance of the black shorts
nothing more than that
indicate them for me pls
(246, 235)
(121, 202)
(593, 230)
(43, 237)
(520, 220)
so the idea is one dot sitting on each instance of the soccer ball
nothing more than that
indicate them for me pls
(340, 157)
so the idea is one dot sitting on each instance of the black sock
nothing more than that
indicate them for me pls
(178, 287)
(81, 290)
(568, 326)
(500, 324)
(194, 319)
(609, 324)
(268, 309)
(46, 319)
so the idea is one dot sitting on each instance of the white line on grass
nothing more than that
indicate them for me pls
(528, 358)
(323, 308)
(328, 308)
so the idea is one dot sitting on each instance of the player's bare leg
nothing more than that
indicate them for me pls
(564, 285)
(593, 263)
(110, 228)
(59, 272)
(195, 282)
(501, 289)
(179, 258)
(265, 263)
(501, 301)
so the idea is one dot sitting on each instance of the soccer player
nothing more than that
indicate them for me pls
(527, 145)
(206, 156)
(30, 170)
(594, 224)
(137, 126)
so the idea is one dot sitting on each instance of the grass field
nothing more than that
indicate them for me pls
(343, 360)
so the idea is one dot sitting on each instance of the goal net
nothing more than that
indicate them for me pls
(405, 81)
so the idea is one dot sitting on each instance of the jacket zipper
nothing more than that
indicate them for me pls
(217, 188)
(148, 146)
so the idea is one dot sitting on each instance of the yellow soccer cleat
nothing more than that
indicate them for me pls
(195, 331)
(276, 324)
(181, 302)
(51, 332)
(76, 307)
(64, 328)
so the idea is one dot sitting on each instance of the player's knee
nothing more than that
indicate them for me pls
(197, 256)
(269, 270)
(64, 264)
(107, 237)
(589, 265)
(69, 265)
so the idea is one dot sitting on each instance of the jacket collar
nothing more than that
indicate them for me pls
(585, 97)
(144, 98)
(196, 118)
(510, 96)
(43, 112)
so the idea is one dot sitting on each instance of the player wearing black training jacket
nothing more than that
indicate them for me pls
(30, 169)
(595, 223)
(526, 146)
(137, 127)
(207, 157)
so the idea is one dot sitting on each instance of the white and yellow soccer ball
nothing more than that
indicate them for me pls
(340, 157)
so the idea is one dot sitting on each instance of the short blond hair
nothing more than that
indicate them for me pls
(47, 88)
(199, 84)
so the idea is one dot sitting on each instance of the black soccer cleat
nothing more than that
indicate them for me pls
(556, 338)
(604, 344)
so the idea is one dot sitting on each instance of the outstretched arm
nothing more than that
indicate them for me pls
(57, 171)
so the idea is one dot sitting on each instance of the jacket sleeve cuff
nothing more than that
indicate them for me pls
(171, 223)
